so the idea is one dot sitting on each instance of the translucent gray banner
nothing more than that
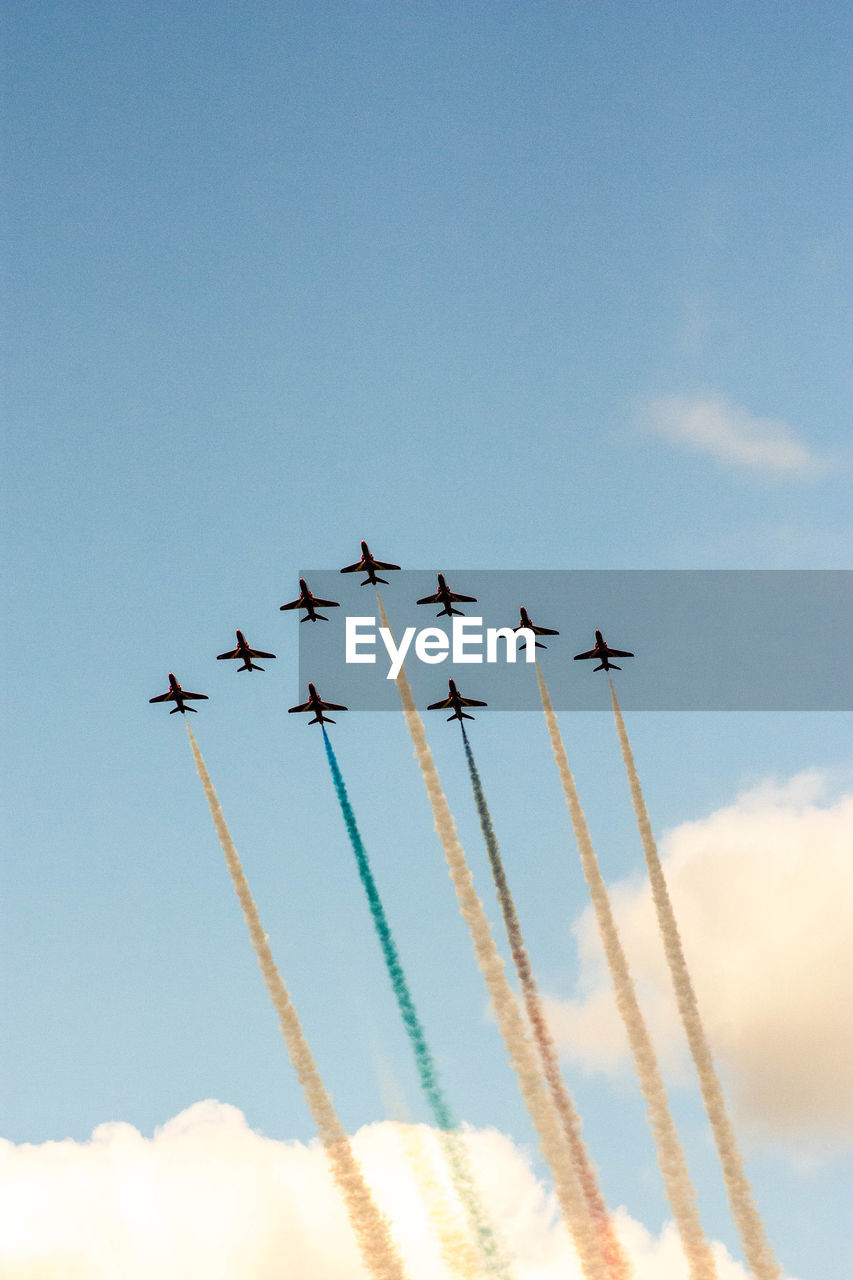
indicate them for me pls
(702, 640)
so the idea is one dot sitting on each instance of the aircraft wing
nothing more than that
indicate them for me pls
(203, 696)
(442, 597)
(358, 567)
(444, 705)
(543, 631)
(295, 604)
(162, 697)
(325, 604)
(235, 653)
(619, 653)
(329, 706)
(380, 564)
(258, 653)
(303, 706)
(593, 653)
(471, 702)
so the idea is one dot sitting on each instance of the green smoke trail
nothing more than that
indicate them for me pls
(451, 1139)
(617, 1264)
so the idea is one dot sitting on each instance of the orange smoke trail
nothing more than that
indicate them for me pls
(756, 1246)
(458, 1254)
(521, 1053)
(671, 1161)
(371, 1230)
(617, 1264)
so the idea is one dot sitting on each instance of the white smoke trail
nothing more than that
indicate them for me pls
(371, 1230)
(457, 1251)
(521, 1053)
(671, 1161)
(756, 1246)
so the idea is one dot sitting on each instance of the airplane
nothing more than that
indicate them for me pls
(457, 702)
(447, 598)
(369, 566)
(243, 651)
(537, 631)
(601, 651)
(316, 704)
(176, 694)
(309, 602)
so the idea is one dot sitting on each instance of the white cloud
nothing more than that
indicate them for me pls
(763, 894)
(711, 425)
(208, 1199)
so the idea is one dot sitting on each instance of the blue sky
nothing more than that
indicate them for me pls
(536, 287)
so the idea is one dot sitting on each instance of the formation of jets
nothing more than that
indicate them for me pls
(369, 565)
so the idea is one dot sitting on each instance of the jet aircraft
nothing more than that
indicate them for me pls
(243, 651)
(316, 704)
(176, 694)
(457, 702)
(309, 602)
(447, 598)
(537, 631)
(368, 565)
(601, 651)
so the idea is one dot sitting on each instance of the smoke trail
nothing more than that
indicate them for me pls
(521, 1053)
(617, 1264)
(673, 1167)
(457, 1252)
(453, 1144)
(371, 1230)
(756, 1246)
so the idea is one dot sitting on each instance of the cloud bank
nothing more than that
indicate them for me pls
(763, 893)
(709, 424)
(208, 1198)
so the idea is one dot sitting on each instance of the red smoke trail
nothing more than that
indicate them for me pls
(745, 1213)
(617, 1264)
(671, 1161)
(371, 1230)
(522, 1055)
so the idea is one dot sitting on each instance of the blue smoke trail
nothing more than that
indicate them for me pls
(449, 1135)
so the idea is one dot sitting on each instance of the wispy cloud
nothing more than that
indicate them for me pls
(710, 424)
